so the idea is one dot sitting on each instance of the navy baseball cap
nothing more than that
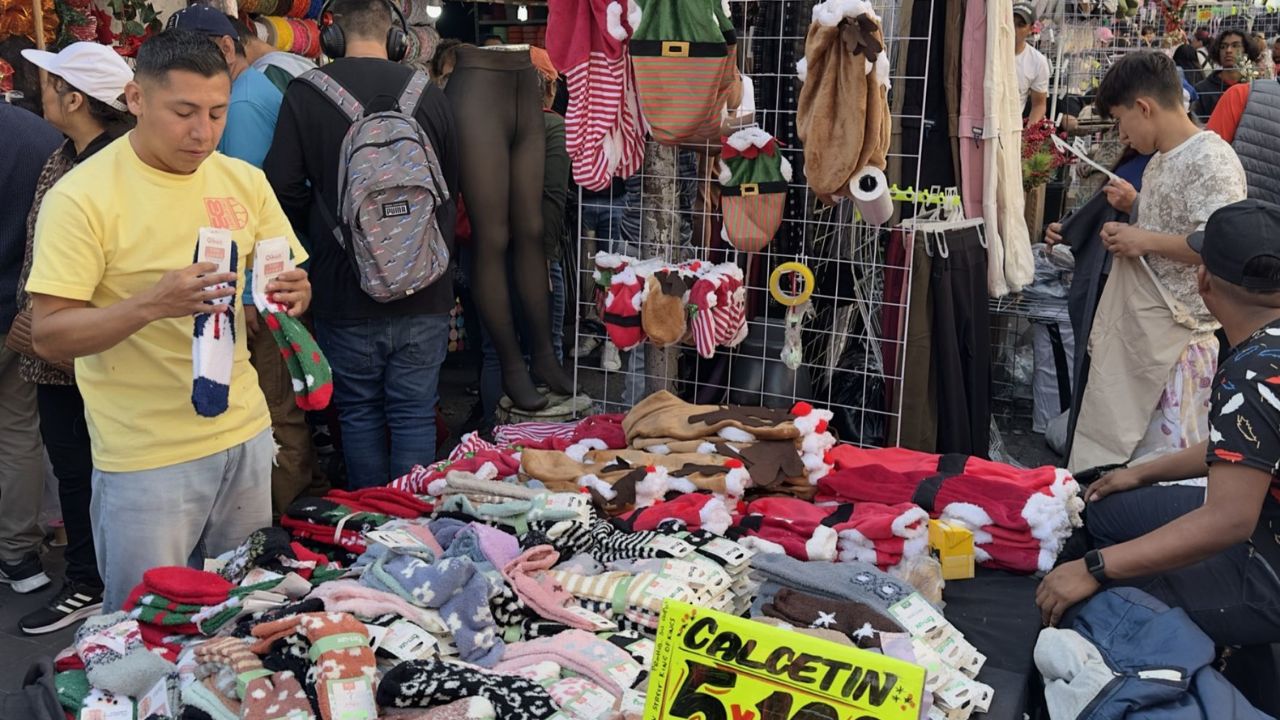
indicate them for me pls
(1236, 235)
(202, 19)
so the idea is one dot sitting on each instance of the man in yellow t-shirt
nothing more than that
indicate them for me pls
(115, 288)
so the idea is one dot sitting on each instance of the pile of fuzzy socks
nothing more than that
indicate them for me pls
(1019, 518)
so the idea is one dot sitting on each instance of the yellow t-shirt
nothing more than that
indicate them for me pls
(109, 230)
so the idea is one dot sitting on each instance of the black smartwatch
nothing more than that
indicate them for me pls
(1094, 563)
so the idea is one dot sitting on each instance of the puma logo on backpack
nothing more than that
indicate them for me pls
(389, 187)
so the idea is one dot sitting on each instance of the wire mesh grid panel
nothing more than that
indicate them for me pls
(669, 211)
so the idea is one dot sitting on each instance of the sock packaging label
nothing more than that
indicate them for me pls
(156, 701)
(270, 259)
(351, 699)
(215, 247)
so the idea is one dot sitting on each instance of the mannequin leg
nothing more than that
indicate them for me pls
(528, 159)
(486, 124)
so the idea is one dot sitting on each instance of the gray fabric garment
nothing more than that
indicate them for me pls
(295, 65)
(1257, 140)
(38, 698)
(841, 581)
(1073, 669)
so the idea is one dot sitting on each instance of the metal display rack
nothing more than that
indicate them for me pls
(843, 366)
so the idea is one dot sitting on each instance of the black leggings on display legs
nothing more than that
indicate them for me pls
(502, 144)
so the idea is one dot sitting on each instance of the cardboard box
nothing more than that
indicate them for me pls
(953, 545)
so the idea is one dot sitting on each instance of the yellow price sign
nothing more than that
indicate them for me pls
(1204, 14)
(713, 666)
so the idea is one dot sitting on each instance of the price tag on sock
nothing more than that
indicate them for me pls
(214, 565)
(215, 247)
(916, 615)
(258, 575)
(632, 703)
(593, 702)
(733, 554)
(598, 621)
(643, 649)
(408, 641)
(270, 258)
(624, 673)
(351, 699)
(674, 546)
(396, 539)
(156, 701)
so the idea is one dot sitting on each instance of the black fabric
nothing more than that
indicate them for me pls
(20, 167)
(1210, 90)
(305, 154)
(962, 343)
(926, 493)
(66, 437)
(842, 513)
(1234, 596)
(996, 611)
(1244, 418)
(924, 118)
(1061, 366)
(1081, 230)
(497, 106)
(952, 463)
(1188, 59)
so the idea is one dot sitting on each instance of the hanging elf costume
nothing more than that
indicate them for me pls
(754, 178)
(683, 55)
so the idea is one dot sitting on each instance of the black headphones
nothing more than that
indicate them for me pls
(334, 42)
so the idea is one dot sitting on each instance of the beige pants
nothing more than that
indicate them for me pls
(1139, 333)
(21, 462)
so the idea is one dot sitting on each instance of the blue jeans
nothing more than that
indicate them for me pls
(604, 221)
(178, 515)
(1233, 596)
(386, 376)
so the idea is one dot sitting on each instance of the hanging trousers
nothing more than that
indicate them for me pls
(962, 342)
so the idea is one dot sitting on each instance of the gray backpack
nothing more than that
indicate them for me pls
(389, 187)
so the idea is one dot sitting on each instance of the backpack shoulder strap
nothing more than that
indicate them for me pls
(413, 91)
(334, 92)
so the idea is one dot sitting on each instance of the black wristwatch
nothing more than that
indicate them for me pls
(1094, 563)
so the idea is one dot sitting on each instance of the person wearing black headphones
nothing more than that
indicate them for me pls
(386, 357)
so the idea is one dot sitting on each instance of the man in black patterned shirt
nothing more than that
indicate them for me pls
(1215, 553)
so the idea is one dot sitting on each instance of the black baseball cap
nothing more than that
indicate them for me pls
(1235, 235)
(1026, 10)
(203, 19)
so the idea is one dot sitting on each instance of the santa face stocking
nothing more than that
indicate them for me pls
(621, 309)
(308, 368)
(213, 350)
